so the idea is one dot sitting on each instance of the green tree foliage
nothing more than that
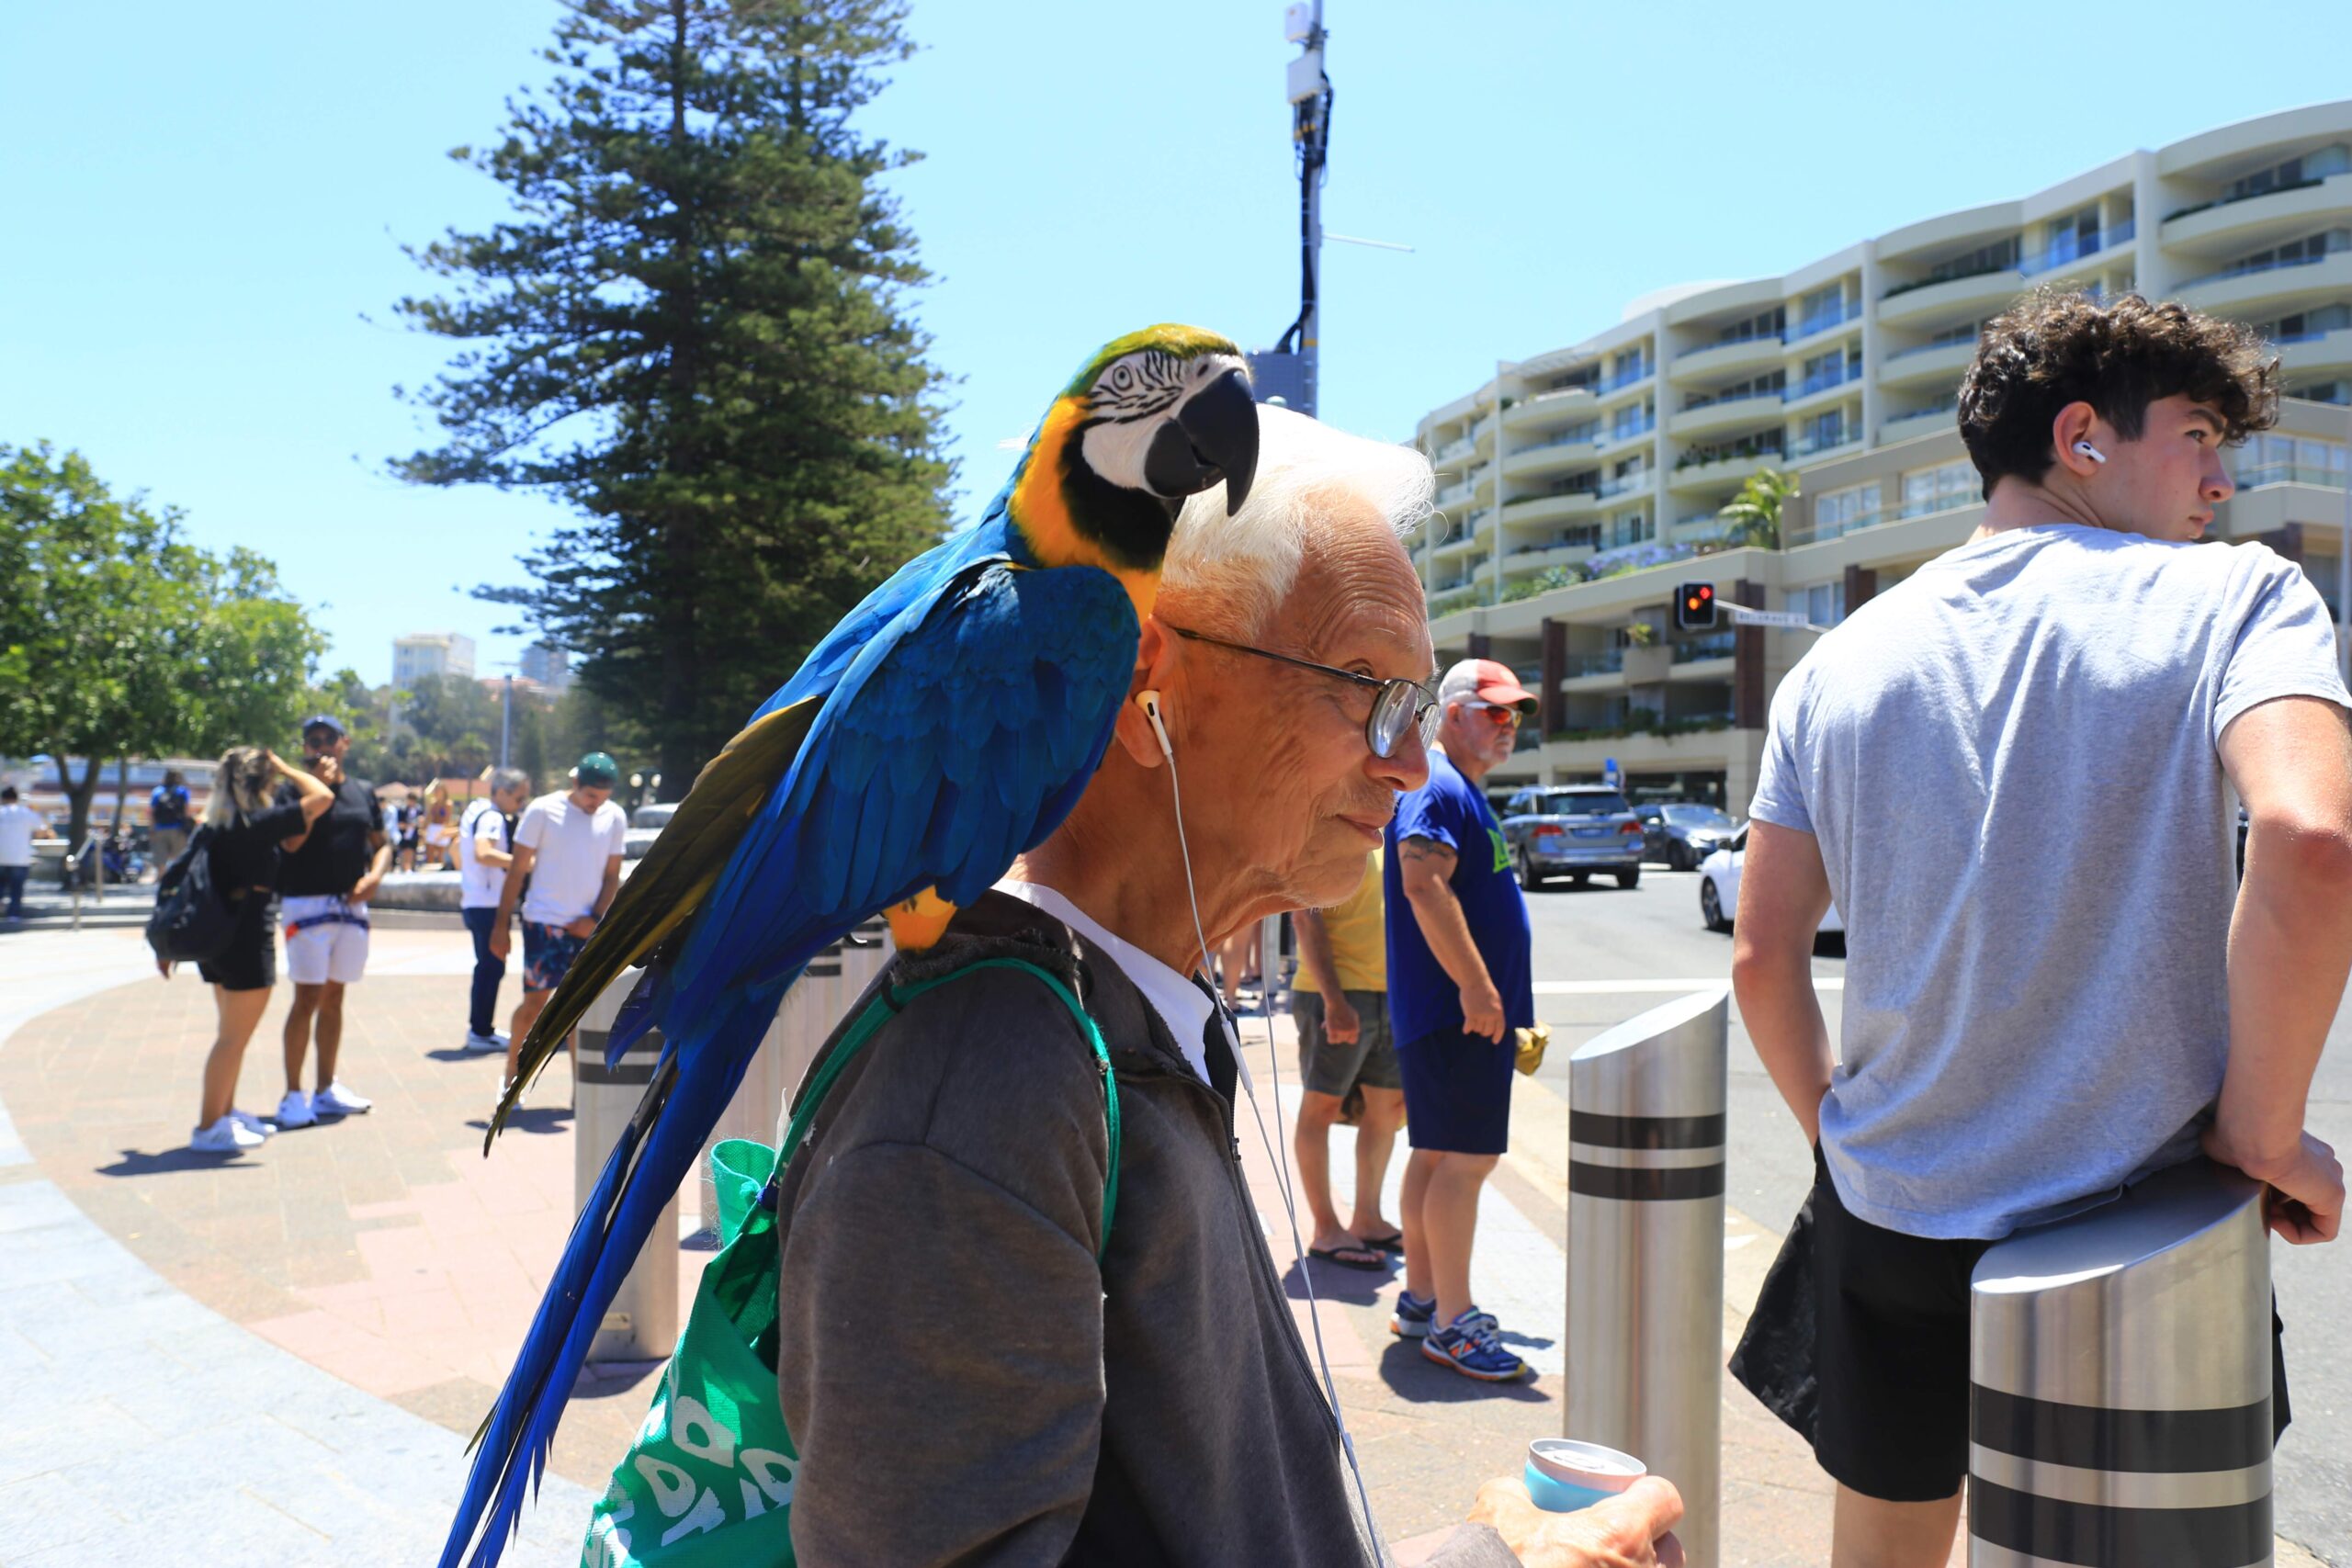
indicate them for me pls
(1755, 513)
(119, 638)
(447, 727)
(693, 331)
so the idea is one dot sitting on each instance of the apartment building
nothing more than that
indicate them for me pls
(1579, 486)
(420, 654)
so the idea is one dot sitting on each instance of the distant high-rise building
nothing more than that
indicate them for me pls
(548, 665)
(420, 654)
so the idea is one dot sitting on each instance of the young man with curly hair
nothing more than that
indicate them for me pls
(2054, 985)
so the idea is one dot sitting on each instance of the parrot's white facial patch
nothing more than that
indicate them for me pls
(1134, 396)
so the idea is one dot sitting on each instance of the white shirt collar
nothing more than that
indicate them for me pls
(1182, 1005)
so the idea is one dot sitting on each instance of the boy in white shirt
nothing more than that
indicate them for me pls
(485, 850)
(570, 845)
(19, 826)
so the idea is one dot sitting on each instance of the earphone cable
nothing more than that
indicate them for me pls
(1290, 1205)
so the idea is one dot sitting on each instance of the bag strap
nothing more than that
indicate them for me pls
(889, 1003)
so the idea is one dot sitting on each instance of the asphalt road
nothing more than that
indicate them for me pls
(1617, 947)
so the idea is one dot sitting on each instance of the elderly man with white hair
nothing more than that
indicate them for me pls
(975, 1384)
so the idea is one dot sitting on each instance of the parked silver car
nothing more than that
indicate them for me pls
(1680, 834)
(1573, 831)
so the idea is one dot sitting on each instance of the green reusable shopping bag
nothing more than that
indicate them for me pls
(707, 1482)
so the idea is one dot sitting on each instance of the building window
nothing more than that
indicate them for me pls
(1999, 256)
(2301, 326)
(1823, 605)
(2310, 168)
(1835, 511)
(2270, 458)
(1940, 489)
(1765, 324)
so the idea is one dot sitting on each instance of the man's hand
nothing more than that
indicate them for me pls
(1341, 1024)
(1482, 1009)
(1628, 1530)
(585, 927)
(328, 770)
(501, 939)
(2308, 1184)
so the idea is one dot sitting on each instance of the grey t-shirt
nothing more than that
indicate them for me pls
(2009, 761)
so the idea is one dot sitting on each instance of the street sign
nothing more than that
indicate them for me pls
(1610, 774)
(1742, 615)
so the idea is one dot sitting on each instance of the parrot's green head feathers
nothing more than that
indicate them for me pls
(1151, 418)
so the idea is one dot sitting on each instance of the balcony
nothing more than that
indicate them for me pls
(1547, 409)
(1823, 381)
(2075, 247)
(2280, 210)
(2303, 352)
(1928, 364)
(1453, 452)
(1632, 375)
(2289, 474)
(1977, 293)
(1805, 448)
(1736, 410)
(1733, 461)
(1626, 484)
(1633, 430)
(1555, 507)
(1717, 360)
(1803, 531)
(1582, 666)
(1919, 422)
(1836, 317)
(1703, 650)
(2238, 287)
(1559, 456)
(1453, 496)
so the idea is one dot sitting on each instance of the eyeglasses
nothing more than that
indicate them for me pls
(1398, 706)
(1498, 715)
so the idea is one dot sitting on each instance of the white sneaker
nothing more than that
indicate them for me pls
(336, 1100)
(493, 1041)
(252, 1123)
(226, 1136)
(294, 1110)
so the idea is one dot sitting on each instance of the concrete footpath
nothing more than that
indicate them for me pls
(276, 1358)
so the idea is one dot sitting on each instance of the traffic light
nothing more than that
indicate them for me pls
(1694, 606)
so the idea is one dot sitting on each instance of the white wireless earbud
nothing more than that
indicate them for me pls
(1149, 700)
(2093, 453)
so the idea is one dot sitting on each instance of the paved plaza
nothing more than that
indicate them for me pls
(276, 1358)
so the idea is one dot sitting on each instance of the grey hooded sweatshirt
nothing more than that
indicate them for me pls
(966, 1384)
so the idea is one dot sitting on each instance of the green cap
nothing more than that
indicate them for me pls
(598, 770)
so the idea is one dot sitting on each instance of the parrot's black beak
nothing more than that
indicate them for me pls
(1214, 436)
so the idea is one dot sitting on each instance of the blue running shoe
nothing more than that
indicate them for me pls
(1469, 1346)
(1416, 1315)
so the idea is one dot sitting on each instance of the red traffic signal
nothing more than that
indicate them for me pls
(1694, 606)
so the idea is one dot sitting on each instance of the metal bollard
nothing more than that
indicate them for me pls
(1645, 1251)
(2119, 1414)
(641, 1323)
(812, 1008)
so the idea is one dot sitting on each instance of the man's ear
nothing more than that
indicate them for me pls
(1155, 670)
(2078, 422)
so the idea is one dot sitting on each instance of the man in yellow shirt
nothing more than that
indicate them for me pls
(1340, 1000)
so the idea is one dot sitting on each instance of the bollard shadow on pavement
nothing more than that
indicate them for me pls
(536, 1119)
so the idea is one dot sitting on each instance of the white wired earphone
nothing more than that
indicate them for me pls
(1149, 700)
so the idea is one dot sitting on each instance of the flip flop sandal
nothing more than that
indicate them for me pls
(1393, 1242)
(1367, 1257)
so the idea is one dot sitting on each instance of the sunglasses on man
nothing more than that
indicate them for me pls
(1398, 706)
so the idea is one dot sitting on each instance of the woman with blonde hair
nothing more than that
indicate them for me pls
(243, 834)
(440, 829)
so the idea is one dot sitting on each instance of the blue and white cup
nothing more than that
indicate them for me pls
(1564, 1475)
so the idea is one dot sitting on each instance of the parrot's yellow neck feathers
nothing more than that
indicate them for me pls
(1040, 508)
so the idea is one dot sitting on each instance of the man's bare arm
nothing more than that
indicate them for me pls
(1784, 893)
(2291, 947)
(1424, 868)
(1315, 951)
(612, 885)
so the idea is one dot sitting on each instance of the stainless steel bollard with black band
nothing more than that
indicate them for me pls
(2120, 1363)
(1645, 1251)
(641, 1323)
(812, 1009)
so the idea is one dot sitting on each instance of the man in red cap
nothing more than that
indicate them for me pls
(1460, 979)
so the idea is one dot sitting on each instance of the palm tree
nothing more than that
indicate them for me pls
(1755, 512)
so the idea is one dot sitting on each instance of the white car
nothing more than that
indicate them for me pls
(1719, 886)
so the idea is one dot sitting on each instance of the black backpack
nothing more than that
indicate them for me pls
(192, 923)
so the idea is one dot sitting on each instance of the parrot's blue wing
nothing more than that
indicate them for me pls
(945, 753)
(961, 733)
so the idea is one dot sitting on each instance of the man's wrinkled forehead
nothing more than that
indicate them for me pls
(1357, 596)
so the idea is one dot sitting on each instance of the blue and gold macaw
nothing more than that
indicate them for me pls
(947, 724)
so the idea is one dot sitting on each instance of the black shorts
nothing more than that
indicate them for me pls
(250, 961)
(1457, 1091)
(1860, 1342)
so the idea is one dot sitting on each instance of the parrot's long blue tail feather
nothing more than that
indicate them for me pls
(653, 1157)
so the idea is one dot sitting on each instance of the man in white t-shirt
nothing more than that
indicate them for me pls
(19, 826)
(485, 850)
(569, 846)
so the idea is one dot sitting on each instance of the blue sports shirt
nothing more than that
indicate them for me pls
(1423, 997)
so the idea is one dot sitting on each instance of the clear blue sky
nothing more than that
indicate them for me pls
(204, 208)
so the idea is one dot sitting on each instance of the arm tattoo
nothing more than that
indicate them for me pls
(1418, 849)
